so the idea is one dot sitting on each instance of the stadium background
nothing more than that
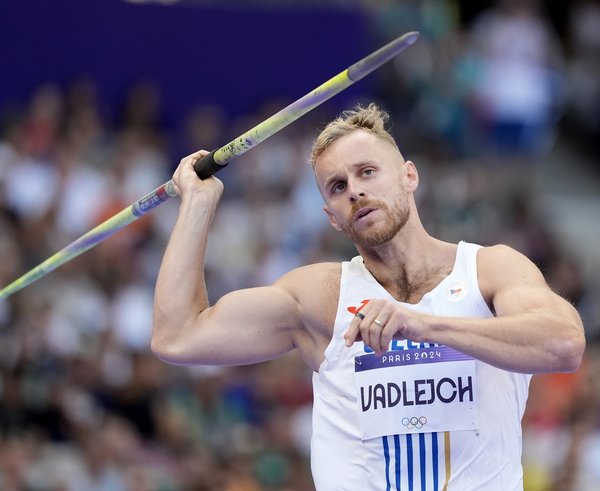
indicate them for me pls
(497, 104)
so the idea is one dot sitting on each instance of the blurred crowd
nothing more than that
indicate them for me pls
(479, 106)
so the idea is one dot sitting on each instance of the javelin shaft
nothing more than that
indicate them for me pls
(93, 237)
(216, 160)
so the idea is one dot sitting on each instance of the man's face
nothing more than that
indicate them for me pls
(363, 181)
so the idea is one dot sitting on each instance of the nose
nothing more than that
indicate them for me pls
(355, 192)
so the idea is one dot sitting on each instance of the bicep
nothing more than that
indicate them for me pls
(244, 326)
(521, 299)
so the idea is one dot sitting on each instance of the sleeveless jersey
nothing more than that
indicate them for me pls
(421, 417)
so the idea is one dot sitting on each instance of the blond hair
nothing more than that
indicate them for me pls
(370, 118)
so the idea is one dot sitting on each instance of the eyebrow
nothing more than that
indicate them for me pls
(354, 166)
(329, 181)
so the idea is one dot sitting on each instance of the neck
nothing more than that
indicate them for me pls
(411, 264)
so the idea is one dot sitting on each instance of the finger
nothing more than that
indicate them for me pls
(188, 163)
(176, 187)
(196, 155)
(370, 331)
(351, 335)
(363, 327)
(379, 325)
(189, 160)
(379, 344)
(387, 334)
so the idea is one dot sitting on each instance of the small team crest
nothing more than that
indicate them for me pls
(457, 292)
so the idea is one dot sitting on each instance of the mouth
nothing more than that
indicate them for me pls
(362, 213)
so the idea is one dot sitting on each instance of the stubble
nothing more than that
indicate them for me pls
(383, 230)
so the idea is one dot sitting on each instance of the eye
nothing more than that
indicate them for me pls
(369, 171)
(338, 187)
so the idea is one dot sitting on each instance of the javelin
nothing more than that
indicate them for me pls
(216, 160)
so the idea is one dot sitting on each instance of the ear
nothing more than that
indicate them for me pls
(332, 219)
(412, 176)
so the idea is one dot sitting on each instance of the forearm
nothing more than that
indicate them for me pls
(529, 342)
(180, 293)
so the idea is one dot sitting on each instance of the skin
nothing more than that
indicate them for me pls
(368, 190)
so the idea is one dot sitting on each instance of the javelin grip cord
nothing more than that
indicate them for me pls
(207, 166)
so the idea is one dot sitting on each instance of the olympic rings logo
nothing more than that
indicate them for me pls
(414, 422)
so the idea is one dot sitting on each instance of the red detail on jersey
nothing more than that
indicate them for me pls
(354, 310)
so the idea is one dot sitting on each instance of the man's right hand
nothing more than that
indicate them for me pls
(188, 185)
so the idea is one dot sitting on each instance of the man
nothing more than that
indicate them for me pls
(421, 350)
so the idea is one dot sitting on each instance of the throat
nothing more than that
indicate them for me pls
(412, 290)
(414, 269)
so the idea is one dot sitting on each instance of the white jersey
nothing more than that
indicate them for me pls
(421, 417)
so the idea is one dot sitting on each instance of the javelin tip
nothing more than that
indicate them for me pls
(382, 55)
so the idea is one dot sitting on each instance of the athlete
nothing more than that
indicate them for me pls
(421, 350)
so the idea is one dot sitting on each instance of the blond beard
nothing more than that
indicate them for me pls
(384, 230)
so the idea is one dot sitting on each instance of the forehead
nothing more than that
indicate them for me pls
(357, 147)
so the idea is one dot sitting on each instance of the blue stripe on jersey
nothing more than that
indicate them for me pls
(422, 459)
(397, 447)
(434, 454)
(410, 464)
(386, 453)
(409, 461)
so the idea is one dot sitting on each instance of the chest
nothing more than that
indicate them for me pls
(412, 291)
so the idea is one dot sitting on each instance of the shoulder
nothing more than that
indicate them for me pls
(490, 255)
(316, 289)
(500, 266)
(503, 258)
(313, 278)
